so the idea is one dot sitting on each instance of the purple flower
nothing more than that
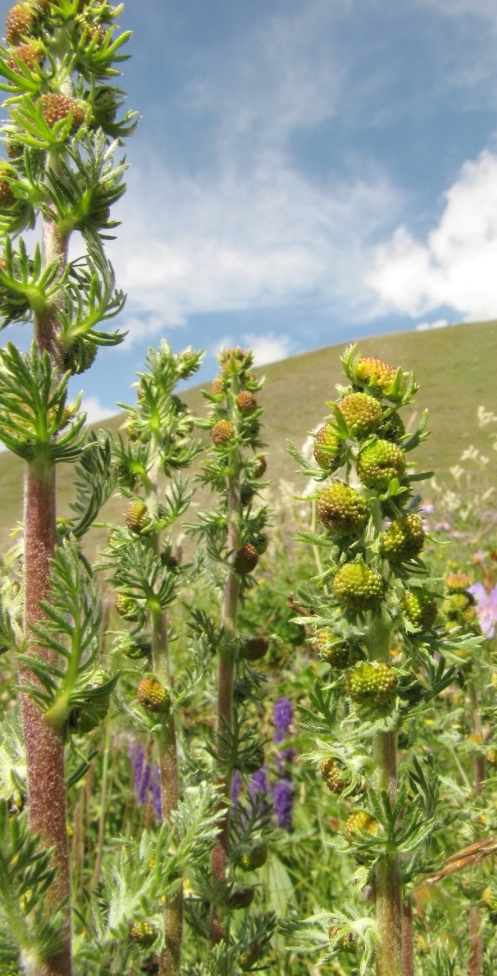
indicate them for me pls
(479, 556)
(258, 782)
(156, 794)
(486, 607)
(283, 803)
(442, 527)
(144, 785)
(236, 785)
(282, 718)
(427, 508)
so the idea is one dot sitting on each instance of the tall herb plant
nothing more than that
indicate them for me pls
(65, 122)
(373, 612)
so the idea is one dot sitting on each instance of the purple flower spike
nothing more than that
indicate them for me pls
(258, 782)
(283, 803)
(144, 784)
(138, 769)
(282, 718)
(156, 795)
(236, 785)
(486, 608)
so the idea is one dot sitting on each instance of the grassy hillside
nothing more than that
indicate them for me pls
(455, 367)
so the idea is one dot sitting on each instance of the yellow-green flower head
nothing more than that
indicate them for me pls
(335, 651)
(491, 757)
(8, 198)
(377, 373)
(455, 604)
(372, 684)
(348, 942)
(254, 860)
(360, 820)
(334, 775)
(153, 696)
(19, 22)
(404, 539)
(420, 608)
(362, 413)
(489, 899)
(328, 449)
(143, 933)
(222, 433)
(358, 587)
(137, 517)
(457, 582)
(126, 607)
(379, 463)
(342, 509)
(246, 402)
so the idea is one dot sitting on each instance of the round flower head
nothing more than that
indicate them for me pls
(19, 22)
(404, 539)
(55, 107)
(375, 372)
(457, 582)
(8, 198)
(127, 607)
(371, 684)
(153, 696)
(342, 509)
(328, 449)
(30, 54)
(143, 933)
(222, 433)
(254, 860)
(254, 648)
(137, 517)
(335, 651)
(246, 559)
(246, 402)
(379, 463)
(420, 608)
(358, 587)
(259, 466)
(334, 775)
(217, 386)
(282, 717)
(360, 820)
(241, 898)
(362, 413)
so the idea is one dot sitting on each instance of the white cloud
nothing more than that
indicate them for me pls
(438, 324)
(269, 348)
(95, 411)
(456, 267)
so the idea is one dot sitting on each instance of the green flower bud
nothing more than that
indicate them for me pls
(246, 402)
(457, 582)
(362, 413)
(404, 539)
(334, 775)
(254, 648)
(371, 683)
(153, 696)
(255, 859)
(328, 449)
(137, 517)
(377, 373)
(379, 463)
(360, 820)
(358, 587)
(222, 433)
(143, 933)
(342, 509)
(246, 559)
(420, 608)
(339, 654)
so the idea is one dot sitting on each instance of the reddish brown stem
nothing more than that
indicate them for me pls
(407, 939)
(476, 956)
(44, 748)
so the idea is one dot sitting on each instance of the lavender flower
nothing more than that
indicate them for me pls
(486, 608)
(258, 782)
(283, 803)
(236, 785)
(156, 794)
(282, 718)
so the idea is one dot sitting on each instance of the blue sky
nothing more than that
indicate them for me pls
(304, 173)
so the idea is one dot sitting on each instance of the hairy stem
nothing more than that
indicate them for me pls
(44, 746)
(407, 938)
(170, 959)
(388, 886)
(220, 852)
(476, 953)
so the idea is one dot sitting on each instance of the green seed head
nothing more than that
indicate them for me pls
(137, 517)
(246, 402)
(404, 539)
(246, 559)
(336, 652)
(254, 860)
(143, 933)
(371, 684)
(342, 510)
(358, 587)
(379, 463)
(362, 413)
(328, 449)
(376, 373)
(254, 649)
(127, 607)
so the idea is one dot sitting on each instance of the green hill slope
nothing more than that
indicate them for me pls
(456, 368)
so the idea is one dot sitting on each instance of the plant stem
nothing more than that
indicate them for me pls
(407, 938)
(45, 747)
(220, 853)
(170, 959)
(476, 954)
(388, 887)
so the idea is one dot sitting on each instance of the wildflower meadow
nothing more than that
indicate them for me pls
(257, 731)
